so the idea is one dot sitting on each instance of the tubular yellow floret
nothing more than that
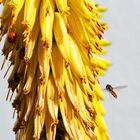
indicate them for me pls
(16, 6)
(46, 21)
(30, 13)
(62, 6)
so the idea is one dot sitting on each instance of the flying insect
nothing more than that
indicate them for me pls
(110, 89)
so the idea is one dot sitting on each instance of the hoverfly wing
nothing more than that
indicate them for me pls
(112, 90)
(116, 88)
(120, 87)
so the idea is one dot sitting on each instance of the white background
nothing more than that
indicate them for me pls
(122, 115)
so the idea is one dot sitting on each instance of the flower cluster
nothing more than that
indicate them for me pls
(54, 48)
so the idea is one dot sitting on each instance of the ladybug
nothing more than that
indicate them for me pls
(11, 37)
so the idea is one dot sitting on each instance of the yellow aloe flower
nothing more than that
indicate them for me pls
(54, 49)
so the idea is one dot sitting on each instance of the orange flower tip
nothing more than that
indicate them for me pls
(99, 35)
(26, 25)
(89, 125)
(42, 79)
(45, 43)
(47, 10)
(35, 136)
(38, 109)
(12, 36)
(75, 108)
(91, 80)
(90, 97)
(68, 29)
(83, 80)
(26, 34)
(89, 7)
(92, 112)
(55, 122)
(67, 64)
(91, 134)
(60, 96)
(97, 47)
(13, 15)
(26, 91)
(26, 60)
(71, 137)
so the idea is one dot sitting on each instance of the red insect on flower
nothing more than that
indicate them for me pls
(11, 37)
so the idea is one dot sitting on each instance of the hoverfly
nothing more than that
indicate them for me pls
(110, 89)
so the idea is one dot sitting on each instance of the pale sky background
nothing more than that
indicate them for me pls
(122, 115)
